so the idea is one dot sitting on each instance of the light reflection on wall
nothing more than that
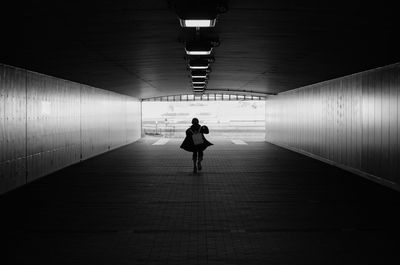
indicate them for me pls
(226, 119)
(351, 122)
(48, 123)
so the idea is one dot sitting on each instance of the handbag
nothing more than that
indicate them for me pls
(197, 137)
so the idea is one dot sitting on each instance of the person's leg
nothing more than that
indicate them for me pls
(200, 158)
(194, 157)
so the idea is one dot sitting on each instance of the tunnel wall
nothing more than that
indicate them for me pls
(351, 122)
(48, 123)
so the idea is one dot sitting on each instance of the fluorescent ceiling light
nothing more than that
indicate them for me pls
(198, 48)
(198, 67)
(199, 74)
(198, 64)
(199, 83)
(198, 52)
(197, 23)
(203, 80)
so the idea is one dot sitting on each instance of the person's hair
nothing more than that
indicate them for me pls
(195, 121)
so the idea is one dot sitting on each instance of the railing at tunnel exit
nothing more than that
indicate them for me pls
(206, 97)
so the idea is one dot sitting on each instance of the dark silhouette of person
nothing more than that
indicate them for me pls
(196, 142)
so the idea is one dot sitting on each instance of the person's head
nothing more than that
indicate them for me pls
(195, 121)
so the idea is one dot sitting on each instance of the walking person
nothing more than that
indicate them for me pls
(196, 142)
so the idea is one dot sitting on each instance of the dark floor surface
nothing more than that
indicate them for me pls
(251, 204)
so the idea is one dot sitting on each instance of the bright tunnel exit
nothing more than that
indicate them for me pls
(239, 119)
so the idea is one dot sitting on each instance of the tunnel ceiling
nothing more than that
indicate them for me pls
(136, 47)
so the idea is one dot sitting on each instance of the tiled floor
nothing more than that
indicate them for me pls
(251, 204)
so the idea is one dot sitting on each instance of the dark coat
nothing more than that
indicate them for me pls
(188, 144)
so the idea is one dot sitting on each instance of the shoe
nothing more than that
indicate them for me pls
(195, 169)
(199, 165)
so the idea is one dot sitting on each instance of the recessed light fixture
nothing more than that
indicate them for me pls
(198, 90)
(198, 67)
(199, 74)
(198, 23)
(198, 64)
(198, 48)
(198, 52)
(198, 80)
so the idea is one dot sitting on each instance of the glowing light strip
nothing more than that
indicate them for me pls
(198, 67)
(197, 23)
(198, 52)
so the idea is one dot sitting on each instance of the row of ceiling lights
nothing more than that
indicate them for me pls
(199, 43)
(198, 53)
(194, 15)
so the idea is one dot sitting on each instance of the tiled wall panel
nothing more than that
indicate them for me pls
(117, 120)
(109, 120)
(351, 122)
(12, 127)
(94, 121)
(133, 119)
(53, 125)
(48, 123)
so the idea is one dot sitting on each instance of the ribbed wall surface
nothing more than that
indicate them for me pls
(48, 123)
(352, 122)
